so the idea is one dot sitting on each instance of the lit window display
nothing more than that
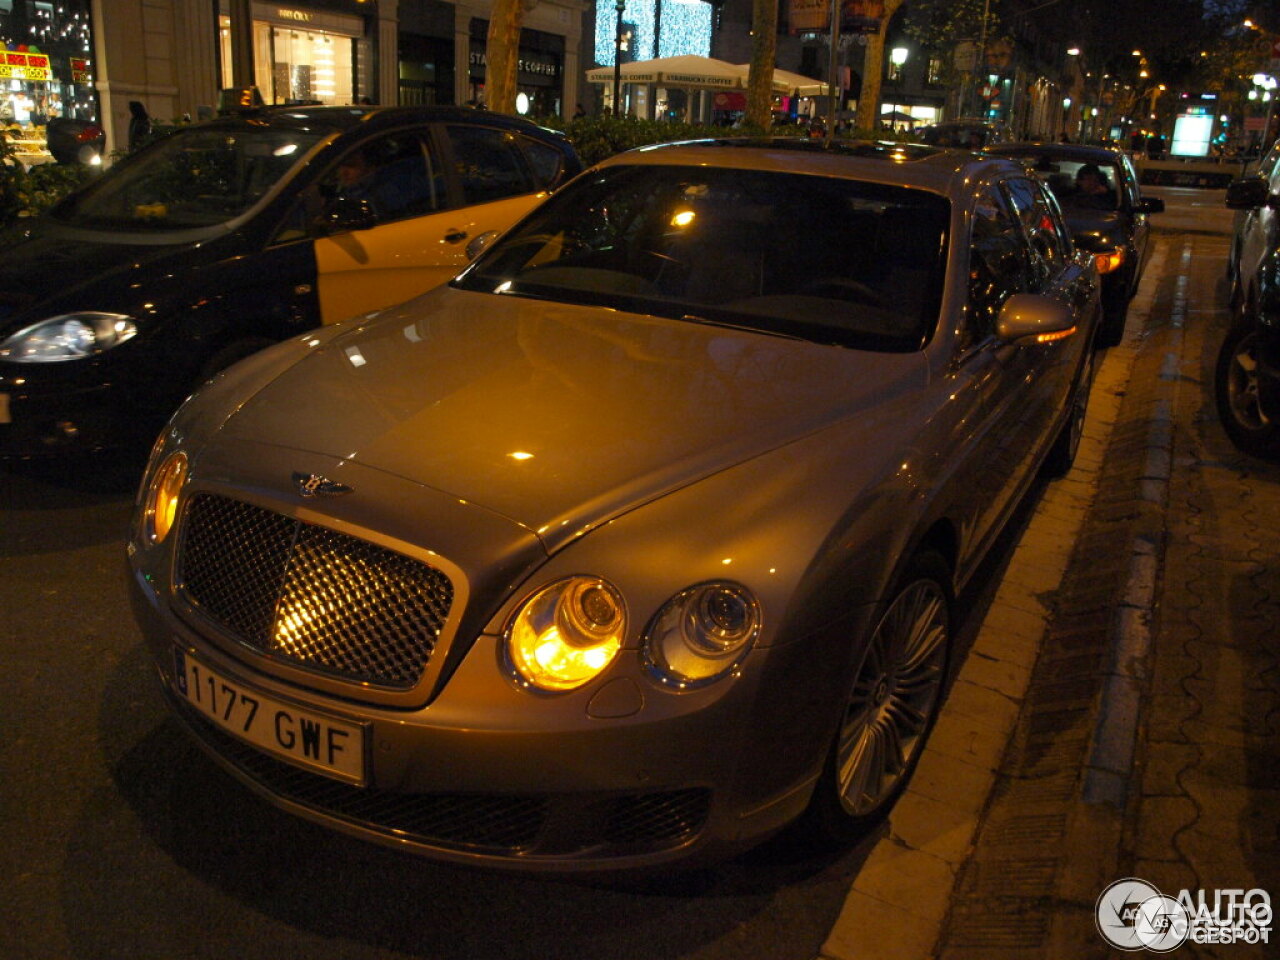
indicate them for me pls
(292, 64)
(46, 73)
(682, 26)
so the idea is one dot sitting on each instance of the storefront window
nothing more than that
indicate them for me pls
(45, 72)
(539, 74)
(301, 62)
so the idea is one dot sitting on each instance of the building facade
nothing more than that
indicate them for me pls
(91, 58)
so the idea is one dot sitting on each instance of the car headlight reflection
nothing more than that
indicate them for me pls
(71, 336)
(566, 634)
(702, 634)
(162, 497)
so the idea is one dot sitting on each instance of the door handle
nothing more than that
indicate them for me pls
(455, 236)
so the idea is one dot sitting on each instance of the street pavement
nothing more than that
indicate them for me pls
(1117, 715)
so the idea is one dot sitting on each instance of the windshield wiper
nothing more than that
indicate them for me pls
(739, 325)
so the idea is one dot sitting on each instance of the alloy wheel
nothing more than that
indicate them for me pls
(894, 698)
(1242, 386)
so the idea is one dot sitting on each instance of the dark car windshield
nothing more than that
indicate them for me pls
(816, 257)
(196, 177)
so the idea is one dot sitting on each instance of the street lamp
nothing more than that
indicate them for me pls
(620, 6)
(1267, 84)
(898, 57)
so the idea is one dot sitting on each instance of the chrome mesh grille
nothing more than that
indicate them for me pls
(309, 595)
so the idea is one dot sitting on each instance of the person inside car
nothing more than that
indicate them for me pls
(1092, 190)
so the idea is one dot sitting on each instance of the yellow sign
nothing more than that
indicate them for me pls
(9, 72)
(24, 66)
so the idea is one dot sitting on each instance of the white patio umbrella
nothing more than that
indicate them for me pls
(682, 71)
(790, 84)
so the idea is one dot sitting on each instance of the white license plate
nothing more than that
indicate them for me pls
(312, 740)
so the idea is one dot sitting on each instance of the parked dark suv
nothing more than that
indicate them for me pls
(230, 235)
(1247, 382)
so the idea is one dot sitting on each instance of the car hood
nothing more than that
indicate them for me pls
(558, 417)
(44, 261)
(1105, 224)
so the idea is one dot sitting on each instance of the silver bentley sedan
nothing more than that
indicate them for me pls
(639, 540)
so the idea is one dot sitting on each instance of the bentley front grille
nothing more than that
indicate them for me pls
(308, 595)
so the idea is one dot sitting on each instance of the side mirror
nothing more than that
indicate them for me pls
(1030, 318)
(344, 214)
(480, 242)
(1247, 194)
(1150, 205)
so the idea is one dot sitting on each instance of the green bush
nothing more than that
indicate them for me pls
(598, 138)
(26, 193)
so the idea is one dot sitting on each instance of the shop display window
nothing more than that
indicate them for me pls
(294, 65)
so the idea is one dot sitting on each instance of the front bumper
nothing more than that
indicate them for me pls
(583, 785)
(44, 414)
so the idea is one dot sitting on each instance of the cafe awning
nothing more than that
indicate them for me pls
(792, 84)
(683, 71)
(708, 73)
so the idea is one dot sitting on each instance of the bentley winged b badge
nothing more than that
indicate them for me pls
(314, 485)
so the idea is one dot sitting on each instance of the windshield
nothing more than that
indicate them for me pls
(820, 258)
(197, 177)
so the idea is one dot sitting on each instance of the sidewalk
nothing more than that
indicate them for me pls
(1118, 714)
(1155, 701)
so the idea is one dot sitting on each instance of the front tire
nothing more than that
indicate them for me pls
(1238, 394)
(891, 706)
(1062, 454)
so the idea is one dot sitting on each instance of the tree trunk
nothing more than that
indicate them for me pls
(764, 48)
(502, 54)
(872, 72)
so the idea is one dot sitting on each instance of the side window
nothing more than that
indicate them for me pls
(547, 163)
(1042, 228)
(397, 176)
(489, 164)
(998, 265)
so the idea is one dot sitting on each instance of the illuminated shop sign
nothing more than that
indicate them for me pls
(298, 16)
(536, 67)
(24, 66)
(80, 71)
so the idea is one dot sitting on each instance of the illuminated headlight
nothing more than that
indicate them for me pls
(702, 634)
(161, 508)
(71, 336)
(566, 634)
(1106, 262)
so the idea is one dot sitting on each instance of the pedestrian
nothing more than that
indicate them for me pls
(579, 113)
(139, 125)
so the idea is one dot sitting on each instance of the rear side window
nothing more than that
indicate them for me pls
(489, 164)
(547, 163)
